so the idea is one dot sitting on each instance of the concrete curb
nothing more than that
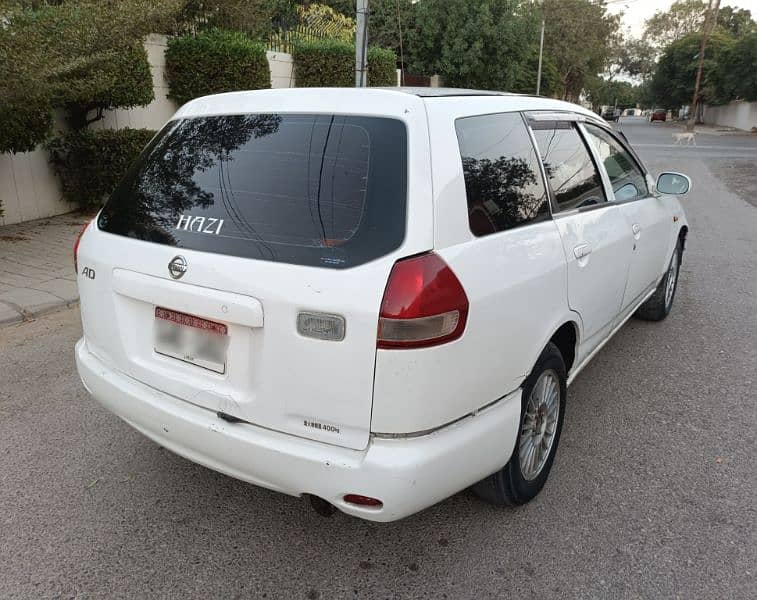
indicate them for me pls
(25, 315)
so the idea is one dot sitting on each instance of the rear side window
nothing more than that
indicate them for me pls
(628, 182)
(321, 190)
(571, 172)
(503, 184)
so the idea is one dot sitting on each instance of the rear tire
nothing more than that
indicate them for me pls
(541, 419)
(658, 305)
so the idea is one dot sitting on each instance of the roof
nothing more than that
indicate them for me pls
(388, 101)
(441, 92)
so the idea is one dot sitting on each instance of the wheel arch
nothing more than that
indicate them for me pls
(566, 335)
(682, 233)
(566, 339)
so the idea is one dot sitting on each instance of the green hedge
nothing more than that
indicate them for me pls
(331, 63)
(90, 163)
(121, 81)
(215, 61)
(382, 67)
(24, 123)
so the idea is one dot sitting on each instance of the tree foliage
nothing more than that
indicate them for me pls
(736, 73)
(82, 55)
(604, 92)
(473, 43)
(684, 17)
(384, 29)
(215, 61)
(252, 17)
(737, 22)
(673, 82)
(525, 79)
(634, 57)
(579, 37)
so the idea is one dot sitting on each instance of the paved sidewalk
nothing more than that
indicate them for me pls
(36, 267)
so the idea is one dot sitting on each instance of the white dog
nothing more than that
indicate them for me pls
(689, 136)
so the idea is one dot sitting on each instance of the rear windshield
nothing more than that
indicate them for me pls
(323, 190)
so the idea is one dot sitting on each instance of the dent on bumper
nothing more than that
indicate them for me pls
(406, 474)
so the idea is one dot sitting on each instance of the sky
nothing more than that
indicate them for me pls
(637, 11)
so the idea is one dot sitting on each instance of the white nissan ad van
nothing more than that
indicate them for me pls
(373, 297)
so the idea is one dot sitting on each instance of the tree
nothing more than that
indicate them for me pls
(473, 43)
(736, 73)
(252, 17)
(684, 17)
(384, 25)
(635, 58)
(673, 82)
(525, 80)
(579, 36)
(604, 92)
(737, 22)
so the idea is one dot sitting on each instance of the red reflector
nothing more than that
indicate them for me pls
(424, 304)
(363, 500)
(190, 320)
(76, 246)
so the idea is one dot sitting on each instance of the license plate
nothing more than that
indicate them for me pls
(191, 339)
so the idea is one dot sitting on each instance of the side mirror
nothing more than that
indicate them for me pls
(677, 184)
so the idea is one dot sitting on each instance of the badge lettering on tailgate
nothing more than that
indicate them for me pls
(200, 224)
(321, 426)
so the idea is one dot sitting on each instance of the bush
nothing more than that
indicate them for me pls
(84, 56)
(24, 123)
(121, 81)
(215, 61)
(91, 163)
(324, 63)
(331, 63)
(382, 67)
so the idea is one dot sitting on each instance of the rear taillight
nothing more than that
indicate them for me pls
(76, 246)
(424, 304)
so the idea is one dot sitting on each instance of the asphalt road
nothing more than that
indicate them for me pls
(652, 494)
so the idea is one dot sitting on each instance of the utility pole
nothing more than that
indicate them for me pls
(541, 52)
(361, 43)
(713, 7)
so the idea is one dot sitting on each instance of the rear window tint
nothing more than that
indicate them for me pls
(322, 190)
(503, 185)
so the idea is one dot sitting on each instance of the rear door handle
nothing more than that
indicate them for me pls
(582, 250)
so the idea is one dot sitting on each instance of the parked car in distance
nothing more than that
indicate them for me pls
(611, 114)
(659, 114)
(291, 288)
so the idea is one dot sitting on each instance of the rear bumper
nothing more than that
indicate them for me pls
(407, 474)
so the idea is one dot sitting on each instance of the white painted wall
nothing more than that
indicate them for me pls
(282, 69)
(29, 189)
(738, 114)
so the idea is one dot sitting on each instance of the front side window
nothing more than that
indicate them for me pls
(571, 172)
(627, 180)
(503, 185)
(322, 190)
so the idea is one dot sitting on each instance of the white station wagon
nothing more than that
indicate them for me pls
(374, 297)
